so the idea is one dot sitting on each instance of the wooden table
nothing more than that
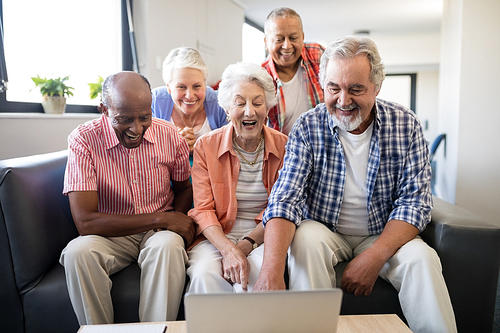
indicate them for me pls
(372, 323)
(347, 324)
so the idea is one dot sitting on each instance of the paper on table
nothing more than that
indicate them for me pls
(124, 328)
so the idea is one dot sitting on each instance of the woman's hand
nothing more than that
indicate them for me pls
(188, 134)
(235, 267)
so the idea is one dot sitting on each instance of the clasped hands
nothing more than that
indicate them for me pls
(188, 134)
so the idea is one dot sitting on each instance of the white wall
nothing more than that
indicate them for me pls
(470, 113)
(213, 27)
(420, 54)
(27, 134)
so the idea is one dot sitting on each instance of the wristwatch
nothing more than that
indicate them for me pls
(254, 245)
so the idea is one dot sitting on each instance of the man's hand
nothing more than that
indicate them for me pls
(270, 282)
(183, 225)
(361, 273)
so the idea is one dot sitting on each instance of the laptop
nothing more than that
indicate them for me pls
(273, 311)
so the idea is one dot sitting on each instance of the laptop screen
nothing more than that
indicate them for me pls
(274, 311)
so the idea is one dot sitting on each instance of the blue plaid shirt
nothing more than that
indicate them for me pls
(311, 182)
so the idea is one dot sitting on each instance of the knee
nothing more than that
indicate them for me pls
(309, 237)
(163, 247)
(79, 250)
(417, 254)
(166, 242)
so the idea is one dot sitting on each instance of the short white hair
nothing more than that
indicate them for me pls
(245, 72)
(183, 57)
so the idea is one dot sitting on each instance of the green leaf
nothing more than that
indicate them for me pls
(53, 87)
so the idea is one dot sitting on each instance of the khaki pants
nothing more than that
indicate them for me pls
(90, 260)
(414, 271)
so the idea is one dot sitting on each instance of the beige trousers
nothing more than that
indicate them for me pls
(205, 269)
(414, 271)
(90, 260)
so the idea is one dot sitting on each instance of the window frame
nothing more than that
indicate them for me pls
(413, 88)
(127, 65)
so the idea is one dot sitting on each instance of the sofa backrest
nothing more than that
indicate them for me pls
(36, 215)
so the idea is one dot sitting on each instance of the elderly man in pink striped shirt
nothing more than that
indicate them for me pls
(127, 180)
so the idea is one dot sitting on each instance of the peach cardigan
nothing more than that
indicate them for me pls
(215, 174)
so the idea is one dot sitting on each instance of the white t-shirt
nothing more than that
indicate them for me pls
(296, 99)
(353, 219)
(204, 129)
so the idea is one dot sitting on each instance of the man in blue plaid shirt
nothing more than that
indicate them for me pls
(355, 186)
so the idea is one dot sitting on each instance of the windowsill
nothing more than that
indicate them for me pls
(38, 115)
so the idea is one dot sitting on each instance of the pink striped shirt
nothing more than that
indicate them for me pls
(127, 181)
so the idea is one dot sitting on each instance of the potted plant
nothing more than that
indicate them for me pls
(96, 89)
(54, 92)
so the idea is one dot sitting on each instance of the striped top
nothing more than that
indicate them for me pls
(127, 181)
(251, 193)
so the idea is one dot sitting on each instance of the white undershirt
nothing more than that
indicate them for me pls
(204, 129)
(296, 100)
(353, 219)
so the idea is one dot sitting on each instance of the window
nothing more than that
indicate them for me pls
(253, 43)
(400, 88)
(56, 38)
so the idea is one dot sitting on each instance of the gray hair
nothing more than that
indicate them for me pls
(350, 47)
(183, 57)
(281, 12)
(245, 72)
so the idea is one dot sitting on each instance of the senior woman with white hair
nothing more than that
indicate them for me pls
(234, 170)
(186, 100)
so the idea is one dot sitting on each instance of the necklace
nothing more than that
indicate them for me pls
(259, 149)
(182, 118)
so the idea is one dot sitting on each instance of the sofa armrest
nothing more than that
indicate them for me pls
(469, 249)
(37, 218)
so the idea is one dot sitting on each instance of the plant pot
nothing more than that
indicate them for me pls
(54, 104)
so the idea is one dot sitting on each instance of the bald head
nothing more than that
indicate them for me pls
(122, 85)
(126, 101)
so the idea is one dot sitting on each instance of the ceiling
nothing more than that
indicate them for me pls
(326, 20)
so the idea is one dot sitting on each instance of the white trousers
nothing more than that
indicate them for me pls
(414, 271)
(205, 269)
(90, 260)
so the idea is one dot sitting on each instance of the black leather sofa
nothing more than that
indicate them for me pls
(36, 224)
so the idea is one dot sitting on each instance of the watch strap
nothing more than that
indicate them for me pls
(254, 244)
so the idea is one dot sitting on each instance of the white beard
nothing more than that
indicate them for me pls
(348, 123)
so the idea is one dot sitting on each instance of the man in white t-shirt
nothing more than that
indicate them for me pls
(294, 66)
(355, 186)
